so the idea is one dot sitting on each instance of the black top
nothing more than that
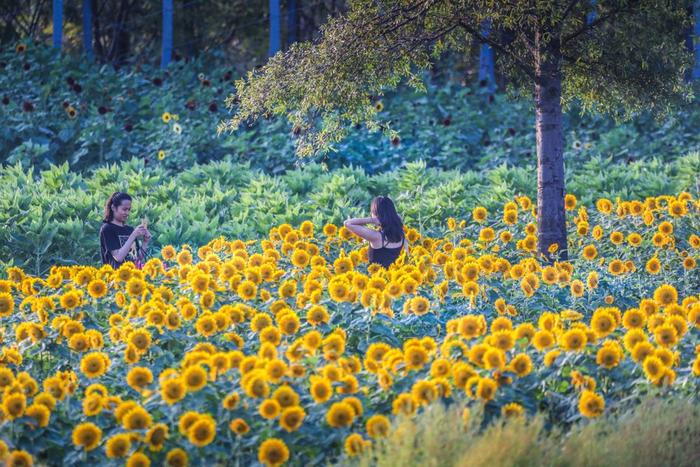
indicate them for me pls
(384, 256)
(113, 237)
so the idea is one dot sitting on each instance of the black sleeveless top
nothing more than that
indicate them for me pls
(384, 256)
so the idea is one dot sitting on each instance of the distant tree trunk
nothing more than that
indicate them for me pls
(167, 50)
(57, 24)
(487, 75)
(87, 27)
(551, 218)
(275, 42)
(189, 33)
(590, 17)
(291, 22)
(696, 11)
(120, 40)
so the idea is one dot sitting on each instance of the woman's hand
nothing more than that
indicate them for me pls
(147, 236)
(140, 231)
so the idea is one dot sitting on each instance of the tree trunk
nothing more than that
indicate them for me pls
(275, 36)
(291, 22)
(551, 218)
(487, 75)
(57, 24)
(167, 45)
(87, 27)
(696, 68)
(591, 16)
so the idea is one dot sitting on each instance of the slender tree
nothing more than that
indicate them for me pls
(628, 59)
(590, 17)
(167, 51)
(487, 74)
(57, 24)
(696, 11)
(275, 36)
(291, 22)
(87, 27)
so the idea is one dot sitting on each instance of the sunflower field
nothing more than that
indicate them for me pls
(291, 349)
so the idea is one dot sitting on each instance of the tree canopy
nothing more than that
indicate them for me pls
(631, 57)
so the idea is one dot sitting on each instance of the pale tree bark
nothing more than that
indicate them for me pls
(551, 218)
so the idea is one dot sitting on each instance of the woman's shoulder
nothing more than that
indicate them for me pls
(109, 227)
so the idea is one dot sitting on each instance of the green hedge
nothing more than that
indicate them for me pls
(53, 216)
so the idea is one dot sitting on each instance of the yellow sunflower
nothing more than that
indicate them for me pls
(87, 435)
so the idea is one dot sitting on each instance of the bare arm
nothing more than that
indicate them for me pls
(121, 253)
(356, 226)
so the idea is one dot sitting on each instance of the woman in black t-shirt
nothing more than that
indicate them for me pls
(386, 244)
(119, 242)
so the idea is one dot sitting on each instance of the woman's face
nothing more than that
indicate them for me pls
(121, 213)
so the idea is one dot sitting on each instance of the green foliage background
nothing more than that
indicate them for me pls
(452, 126)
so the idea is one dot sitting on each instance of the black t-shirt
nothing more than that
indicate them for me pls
(113, 237)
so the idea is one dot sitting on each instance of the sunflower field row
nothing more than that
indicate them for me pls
(53, 216)
(293, 349)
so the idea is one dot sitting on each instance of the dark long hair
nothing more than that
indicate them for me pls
(114, 200)
(388, 218)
